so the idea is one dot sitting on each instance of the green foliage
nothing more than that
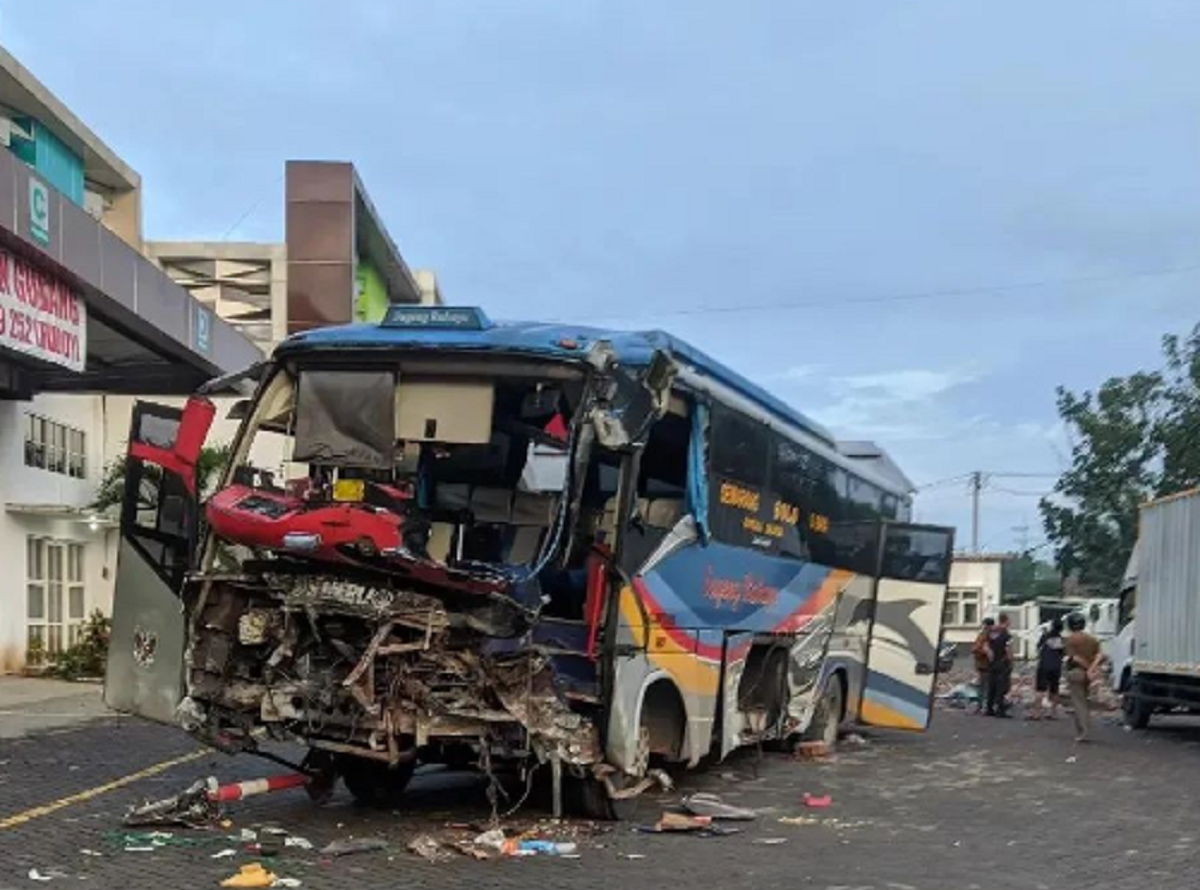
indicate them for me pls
(35, 653)
(111, 492)
(88, 656)
(1133, 439)
(1025, 578)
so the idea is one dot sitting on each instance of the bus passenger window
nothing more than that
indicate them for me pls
(738, 447)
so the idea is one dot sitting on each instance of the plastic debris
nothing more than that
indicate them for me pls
(1072, 759)
(814, 802)
(633, 855)
(142, 849)
(224, 854)
(799, 820)
(770, 841)
(549, 848)
(813, 751)
(469, 849)
(300, 843)
(853, 740)
(353, 845)
(427, 847)
(705, 804)
(248, 836)
(48, 875)
(252, 875)
(193, 807)
(493, 839)
(682, 822)
(286, 882)
(86, 852)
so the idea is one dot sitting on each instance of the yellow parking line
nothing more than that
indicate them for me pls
(55, 805)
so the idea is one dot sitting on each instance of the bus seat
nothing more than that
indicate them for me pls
(441, 535)
(527, 541)
(531, 508)
(662, 512)
(491, 505)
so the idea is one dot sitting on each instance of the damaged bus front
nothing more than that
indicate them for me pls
(440, 540)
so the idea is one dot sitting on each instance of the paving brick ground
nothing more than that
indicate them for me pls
(975, 803)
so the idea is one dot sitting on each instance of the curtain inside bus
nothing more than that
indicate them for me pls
(697, 477)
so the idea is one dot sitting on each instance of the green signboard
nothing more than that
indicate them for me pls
(370, 293)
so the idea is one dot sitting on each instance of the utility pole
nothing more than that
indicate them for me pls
(976, 488)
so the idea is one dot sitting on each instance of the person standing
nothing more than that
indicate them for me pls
(1049, 671)
(999, 644)
(1083, 659)
(983, 659)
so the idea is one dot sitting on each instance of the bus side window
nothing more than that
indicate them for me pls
(661, 484)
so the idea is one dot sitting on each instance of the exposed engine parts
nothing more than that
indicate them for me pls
(350, 668)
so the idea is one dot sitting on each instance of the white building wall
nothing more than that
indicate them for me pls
(27, 492)
(972, 580)
(104, 421)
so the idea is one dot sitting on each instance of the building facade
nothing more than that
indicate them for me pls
(972, 594)
(92, 316)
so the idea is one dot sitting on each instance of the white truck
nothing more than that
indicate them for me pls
(1156, 656)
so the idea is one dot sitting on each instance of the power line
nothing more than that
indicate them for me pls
(978, 290)
(961, 477)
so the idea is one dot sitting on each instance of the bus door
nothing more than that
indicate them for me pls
(906, 626)
(159, 524)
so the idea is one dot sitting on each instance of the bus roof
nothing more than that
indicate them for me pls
(467, 329)
(562, 341)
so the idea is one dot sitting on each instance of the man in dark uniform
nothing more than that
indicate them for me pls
(999, 675)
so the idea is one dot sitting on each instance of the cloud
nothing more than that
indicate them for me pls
(901, 405)
(914, 385)
(793, 374)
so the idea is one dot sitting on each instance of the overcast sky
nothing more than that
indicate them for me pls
(930, 213)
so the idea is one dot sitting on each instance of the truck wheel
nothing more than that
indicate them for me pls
(375, 784)
(1136, 709)
(827, 716)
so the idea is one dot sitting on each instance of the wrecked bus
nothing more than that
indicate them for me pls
(442, 539)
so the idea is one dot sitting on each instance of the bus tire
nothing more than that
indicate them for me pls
(589, 798)
(827, 715)
(374, 783)
(1136, 709)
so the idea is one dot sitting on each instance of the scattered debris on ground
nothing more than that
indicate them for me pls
(705, 804)
(352, 845)
(815, 802)
(252, 875)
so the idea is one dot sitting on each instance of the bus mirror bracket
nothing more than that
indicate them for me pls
(632, 401)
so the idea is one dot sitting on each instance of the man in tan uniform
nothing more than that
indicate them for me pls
(1083, 661)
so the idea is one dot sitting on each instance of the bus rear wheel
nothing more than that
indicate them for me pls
(827, 715)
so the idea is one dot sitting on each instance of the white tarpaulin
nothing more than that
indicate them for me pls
(40, 316)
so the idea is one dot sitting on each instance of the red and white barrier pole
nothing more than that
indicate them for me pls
(240, 790)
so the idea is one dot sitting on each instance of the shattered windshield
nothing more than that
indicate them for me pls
(447, 469)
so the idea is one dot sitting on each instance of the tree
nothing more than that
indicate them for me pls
(111, 493)
(1025, 578)
(1134, 438)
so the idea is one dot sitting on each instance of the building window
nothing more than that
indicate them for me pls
(56, 447)
(961, 609)
(54, 591)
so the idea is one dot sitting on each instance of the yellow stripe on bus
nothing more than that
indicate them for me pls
(693, 674)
